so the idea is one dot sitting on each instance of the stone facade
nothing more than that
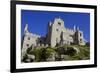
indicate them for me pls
(57, 34)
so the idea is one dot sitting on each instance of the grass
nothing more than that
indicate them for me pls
(42, 53)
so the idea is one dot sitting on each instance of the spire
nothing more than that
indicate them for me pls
(77, 28)
(74, 28)
(50, 23)
(26, 28)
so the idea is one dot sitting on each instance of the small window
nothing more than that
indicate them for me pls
(59, 23)
(28, 38)
(40, 41)
(56, 29)
(27, 45)
(80, 39)
(80, 34)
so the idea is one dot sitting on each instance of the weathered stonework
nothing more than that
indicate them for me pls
(57, 34)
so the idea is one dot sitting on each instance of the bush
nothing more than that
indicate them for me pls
(71, 51)
(61, 50)
(49, 51)
(37, 52)
(88, 44)
(43, 53)
(24, 58)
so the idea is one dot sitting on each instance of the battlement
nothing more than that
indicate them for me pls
(71, 31)
(63, 35)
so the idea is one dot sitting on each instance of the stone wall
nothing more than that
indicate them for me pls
(56, 34)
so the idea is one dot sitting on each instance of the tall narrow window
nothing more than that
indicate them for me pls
(80, 34)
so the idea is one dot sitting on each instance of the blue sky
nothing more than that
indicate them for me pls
(38, 20)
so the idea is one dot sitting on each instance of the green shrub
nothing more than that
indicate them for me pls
(49, 51)
(42, 53)
(71, 51)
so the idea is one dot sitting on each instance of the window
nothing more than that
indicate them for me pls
(40, 41)
(57, 30)
(27, 45)
(80, 39)
(59, 23)
(28, 38)
(80, 34)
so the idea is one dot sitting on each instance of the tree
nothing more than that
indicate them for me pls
(88, 44)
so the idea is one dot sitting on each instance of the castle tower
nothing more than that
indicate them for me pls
(48, 38)
(56, 29)
(23, 46)
(78, 37)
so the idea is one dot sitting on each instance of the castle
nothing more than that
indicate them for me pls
(57, 34)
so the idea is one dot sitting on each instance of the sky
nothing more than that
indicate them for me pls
(38, 21)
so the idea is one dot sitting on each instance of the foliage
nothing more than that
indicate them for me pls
(70, 51)
(88, 44)
(42, 53)
(49, 51)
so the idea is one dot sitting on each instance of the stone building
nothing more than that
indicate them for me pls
(56, 34)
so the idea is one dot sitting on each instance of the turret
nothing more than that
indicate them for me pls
(50, 23)
(74, 28)
(77, 28)
(26, 28)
